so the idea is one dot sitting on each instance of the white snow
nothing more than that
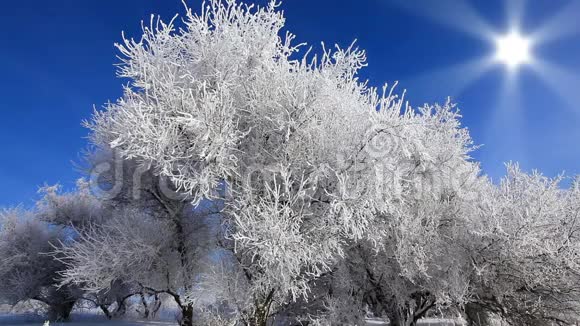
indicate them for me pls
(78, 320)
(96, 320)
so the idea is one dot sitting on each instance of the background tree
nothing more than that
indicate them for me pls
(76, 212)
(153, 240)
(27, 270)
(525, 251)
(410, 262)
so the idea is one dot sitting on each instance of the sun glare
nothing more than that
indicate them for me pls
(513, 49)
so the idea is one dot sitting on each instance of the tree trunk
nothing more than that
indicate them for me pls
(476, 316)
(145, 306)
(260, 317)
(398, 320)
(61, 311)
(156, 306)
(407, 316)
(106, 311)
(186, 315)
(121, 308)
(261, 311)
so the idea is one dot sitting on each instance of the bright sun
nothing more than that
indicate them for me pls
(513, 49)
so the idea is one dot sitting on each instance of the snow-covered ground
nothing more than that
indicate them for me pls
(78, 320)
(92, 320)
(423, 322)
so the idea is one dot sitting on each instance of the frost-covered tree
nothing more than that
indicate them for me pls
(419, 264)
(308, 155)
(78, 208)
(76, 212)
(411, 262)
(526, 251)
(52, 224)
(153, 240)
(27, 270)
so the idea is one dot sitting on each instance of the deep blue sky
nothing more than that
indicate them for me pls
(56, 62)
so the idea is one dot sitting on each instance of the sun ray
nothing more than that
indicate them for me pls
(564, 23)
(457, 14)
(505, 128)
(561, 82)
(515, 12)
(451, 80)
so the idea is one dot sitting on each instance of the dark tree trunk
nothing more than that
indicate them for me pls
(106, 311)
(396, 319)
(60, 311)
(156, 305)
(145, 306)
(476, 316)
(121, 308)
(405, 316)
(261, 313)
(186, 309)
(259, 318)
(186, 315)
